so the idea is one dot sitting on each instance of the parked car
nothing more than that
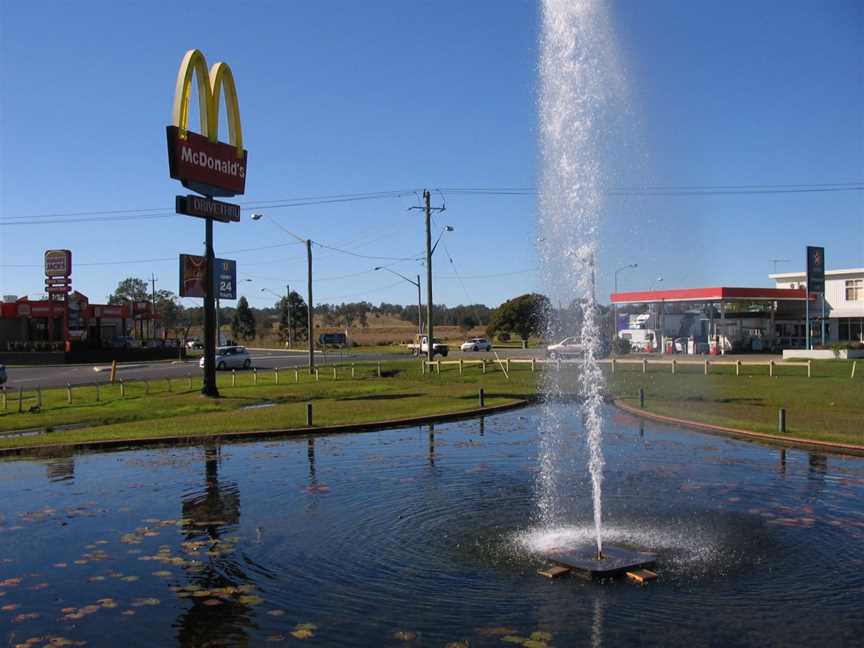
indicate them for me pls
(231, 357)
(421, 346)
(2, 374)
(476, 344)
(567, 348)
(192, 345)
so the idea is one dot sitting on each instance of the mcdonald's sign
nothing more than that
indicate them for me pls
(200, 161)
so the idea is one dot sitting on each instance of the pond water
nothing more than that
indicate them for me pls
(425, 536)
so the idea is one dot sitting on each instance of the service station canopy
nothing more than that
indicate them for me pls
(719, 294)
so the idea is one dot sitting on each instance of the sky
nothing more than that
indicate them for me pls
(345, 98)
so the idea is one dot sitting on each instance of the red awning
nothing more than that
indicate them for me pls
(710, 295)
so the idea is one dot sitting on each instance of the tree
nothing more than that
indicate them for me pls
(524, 315)
(131, 288)
(168, 309)
(467, 322)
(243, 323)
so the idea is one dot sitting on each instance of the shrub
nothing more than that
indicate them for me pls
(620, 346)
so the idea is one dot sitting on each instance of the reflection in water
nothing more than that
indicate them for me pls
(783, 462)
(310, 454)
(432, 445)
(597, 623)
(482, 425)
(61, 469)
(220, 615)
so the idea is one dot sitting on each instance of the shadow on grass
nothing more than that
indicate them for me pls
(374, 397)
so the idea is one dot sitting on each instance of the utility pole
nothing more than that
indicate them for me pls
(153, 306)
(309, 322)
(290, 319)
(419, 309)
(428, 212)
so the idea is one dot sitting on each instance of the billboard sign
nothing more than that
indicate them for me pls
(334, 339)
(193, 277)
(200, 161)
(816, 269)
(207, 208)
(58, 263)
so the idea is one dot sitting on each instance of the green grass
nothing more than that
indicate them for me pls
(401, 393)
(827, 407)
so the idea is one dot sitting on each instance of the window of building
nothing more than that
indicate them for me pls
(855, 290)
(851, 330)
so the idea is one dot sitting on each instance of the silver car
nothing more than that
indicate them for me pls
(231, 357)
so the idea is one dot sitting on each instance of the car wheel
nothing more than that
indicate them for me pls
(247, 363)
(475, 348)
(220, 366)
(553, 355)
(488, 348)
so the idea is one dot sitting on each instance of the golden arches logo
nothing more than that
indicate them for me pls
(210, 86)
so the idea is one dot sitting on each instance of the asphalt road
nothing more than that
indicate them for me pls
(59, 376)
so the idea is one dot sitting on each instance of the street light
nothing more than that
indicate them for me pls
(614, 304)
(419, 300)
(309, 320)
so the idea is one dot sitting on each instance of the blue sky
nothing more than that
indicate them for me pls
(343, 97)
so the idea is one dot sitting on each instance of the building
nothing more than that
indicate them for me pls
(844, 302)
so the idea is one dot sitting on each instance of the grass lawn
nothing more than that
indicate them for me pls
(828, 407)
(401, 392)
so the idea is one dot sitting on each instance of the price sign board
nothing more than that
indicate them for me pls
(193, 277)
(816, 269)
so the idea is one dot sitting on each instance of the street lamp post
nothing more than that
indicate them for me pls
(615, 290)
(419, 299)
(310, 318)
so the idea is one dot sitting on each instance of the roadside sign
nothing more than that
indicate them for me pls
(333, 338)
(207, 208)
(816, 269)
(58, 289)
(193, 271)
(58, 263)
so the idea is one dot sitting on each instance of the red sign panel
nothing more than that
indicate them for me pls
(193, 275)
(58, 263)
(210, 168)
(58, 289)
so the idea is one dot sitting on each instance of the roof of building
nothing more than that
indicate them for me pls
(828, 273)
(715, 294)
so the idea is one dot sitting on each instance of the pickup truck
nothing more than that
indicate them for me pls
(421, 346)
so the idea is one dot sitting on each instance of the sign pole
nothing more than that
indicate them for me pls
(807, 319)
(209, 387)
(823, 319)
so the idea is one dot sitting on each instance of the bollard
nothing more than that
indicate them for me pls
(674, 366)
(781, 421)
(276, 374)
(422, 367)
(737, 367)
(809, 367)
(233, 377)
(613, 365)
(854, 364)
(771, 368)
(379, 368)
(484, 366)
(188, 381)
(308, 414)
(438, 366)
(642, 398)
(507, 362)
(460, 366)
(122, 389)
(20, 399)
(334, 373)
(296, 375)
(254, 376)
(644, 365)
(97, 392)
(706, 367)
(352, 369)
(316, 375)
(533, 365)
(113, 371)
(482, 398)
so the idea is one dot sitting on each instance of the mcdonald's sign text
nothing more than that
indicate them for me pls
(211, 168)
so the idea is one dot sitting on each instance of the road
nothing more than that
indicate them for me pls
(58, 376)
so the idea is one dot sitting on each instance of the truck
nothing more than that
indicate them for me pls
(420, 346)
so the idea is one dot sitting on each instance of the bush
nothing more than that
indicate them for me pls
(620, 346)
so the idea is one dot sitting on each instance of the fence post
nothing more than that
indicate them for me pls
(673, 366)
(379, 368)
(122, 388)
(460, 366)
(438, 366)
(781, 421)
(613, 365)
(644, 365)
(233, 377)
(276, 374)
(737, 367)
(352, 369)
(20, 399)
(4, 397)
(533, 364)
(97, 390)
(809, 366)
(854, 364)
(771, 368)
(316, 374)
(482, 398)
(308, 414)
(484, 366)
(706, 367)
(188, 381)
(296, 375)
(642, 397)
(254, 376)
(507, 362)
(334, 373)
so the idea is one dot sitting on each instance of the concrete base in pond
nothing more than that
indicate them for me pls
(616, 561)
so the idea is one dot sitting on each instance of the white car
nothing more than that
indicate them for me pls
(566, 348)
(476, 344)
(231, 357)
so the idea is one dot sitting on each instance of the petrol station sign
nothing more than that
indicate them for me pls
(58, 263)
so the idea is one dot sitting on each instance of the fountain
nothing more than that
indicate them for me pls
(580, 84)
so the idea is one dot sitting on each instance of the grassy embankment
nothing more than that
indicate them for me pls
(401, 392)
(829, 406)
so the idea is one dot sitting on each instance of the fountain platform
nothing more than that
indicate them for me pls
(616, 561)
